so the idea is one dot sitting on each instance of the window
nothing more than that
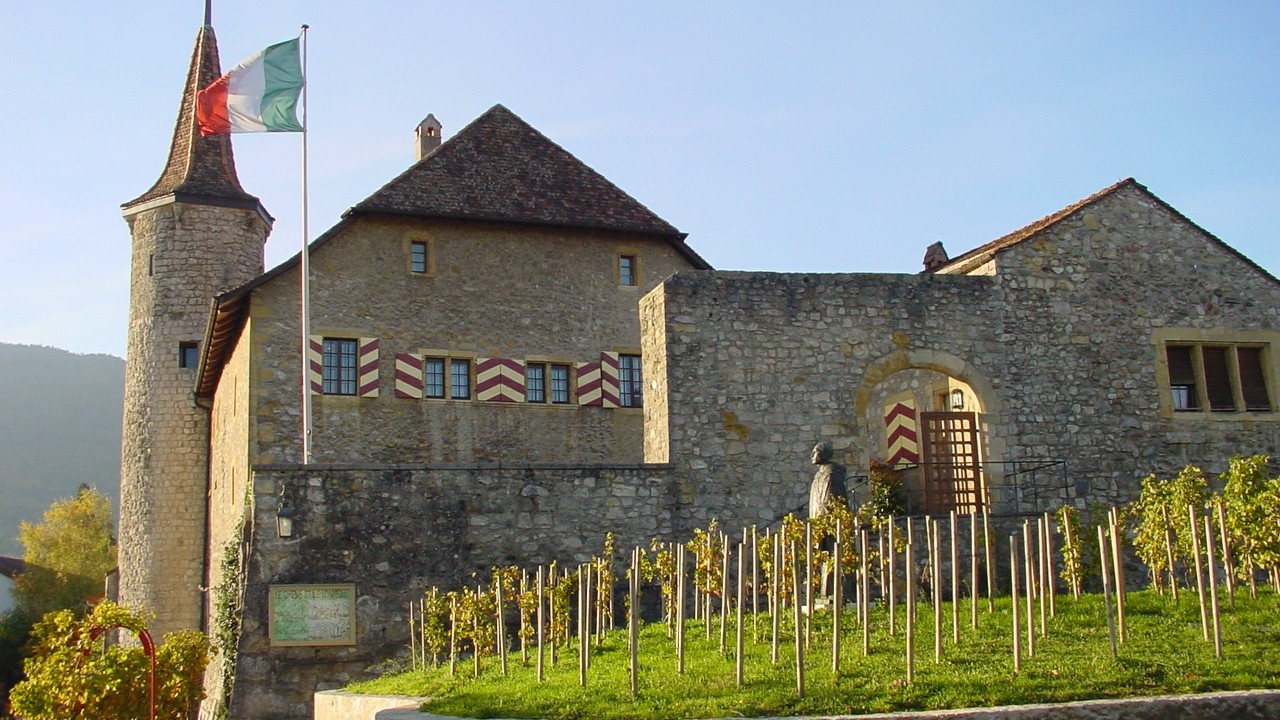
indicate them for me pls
(1218, 376)
(459, 379)
(339, 366)
(188, 355)
(537, 389)
(418, 257)
(433, 370)
(629, 385)
(627, 270)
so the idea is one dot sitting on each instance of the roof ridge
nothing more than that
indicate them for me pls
(968, 260)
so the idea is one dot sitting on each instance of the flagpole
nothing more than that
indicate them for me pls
(306, 274)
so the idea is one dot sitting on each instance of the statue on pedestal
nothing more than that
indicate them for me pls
(828, 482)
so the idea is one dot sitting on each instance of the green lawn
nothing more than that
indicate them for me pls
(1164, 654)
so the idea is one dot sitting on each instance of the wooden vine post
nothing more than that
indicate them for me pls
(955, 583)
(1013, 595)
(680, 595)
(795, 594)
(633, 619)
(775, 594)
(1042, 586)
(837, 602)
(1195, 551)
(1048, 556)
(1071, 564)
(1228, 563)
(808, 583)
(738, 640)
(500, 627)
(910, 610)
(935, 582)
(986, 548)
(453, 634)
(1213, 587)
(973, 569)
(864, 606)
(893, 579)
(1106, 590)
(1168, 548)
(1030, 584)
(755, 586)
(1117, 565)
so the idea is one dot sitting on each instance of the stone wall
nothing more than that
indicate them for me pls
(397, 530)
(1061, 347)
(492, 291)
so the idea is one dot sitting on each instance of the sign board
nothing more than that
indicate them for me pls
(312, 615)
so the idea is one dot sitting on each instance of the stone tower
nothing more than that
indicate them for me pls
(196, 233)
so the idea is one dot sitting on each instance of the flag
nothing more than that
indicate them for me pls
(258, 95)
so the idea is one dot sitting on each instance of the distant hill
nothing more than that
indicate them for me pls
(59, 427)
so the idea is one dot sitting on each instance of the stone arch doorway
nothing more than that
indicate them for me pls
(927, 421)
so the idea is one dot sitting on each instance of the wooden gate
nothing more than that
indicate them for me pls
(951, 465)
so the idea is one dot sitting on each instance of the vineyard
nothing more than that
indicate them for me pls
(935, 612)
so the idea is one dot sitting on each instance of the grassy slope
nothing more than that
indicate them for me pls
(1164, 654)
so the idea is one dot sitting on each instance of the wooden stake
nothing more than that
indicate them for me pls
(893, 579)
(1195, 551)
(633, 620)
(775, 583)
(1030, 585)
(584, 632)
(935, 578)
(755, 587)
(883, 564)
(1071, 567)
(1117, 556)
(680, 595)
(1051, 584)
(1228, 563)
(413, 636)
(955, 583)
(986, 548)
(541, 624)
(837, 603)
(1213, 587)
(1013, 595)
(865, 605)
(910, 610)
(795, 593)
(808, 583)
(742, 578)
(973, 568)
(1103, 555)
(724, 589)
(1042, 586)
(453, 635)
(500, 625)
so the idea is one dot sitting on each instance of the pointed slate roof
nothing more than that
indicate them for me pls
(500, 168)
(200, 169)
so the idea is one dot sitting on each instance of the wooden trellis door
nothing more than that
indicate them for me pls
(951, 465)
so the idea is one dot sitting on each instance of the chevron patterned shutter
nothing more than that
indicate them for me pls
(315, 364)
(609, 380)
(499, 380)
(900, 430)
(589, 384)
(409, 376)
(367, 366)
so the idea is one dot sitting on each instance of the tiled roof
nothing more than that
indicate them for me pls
(500, 168)
(199, 167)
(982, 254)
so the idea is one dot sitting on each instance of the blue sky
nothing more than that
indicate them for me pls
(780, 136)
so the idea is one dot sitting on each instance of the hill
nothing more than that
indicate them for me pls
(59, 427)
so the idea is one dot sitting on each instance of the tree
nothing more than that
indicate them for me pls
(70, 675)
(68, 554)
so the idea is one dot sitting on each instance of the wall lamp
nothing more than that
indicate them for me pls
(957, 399)
(284, 519)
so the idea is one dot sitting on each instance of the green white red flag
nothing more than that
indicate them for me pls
(258, 95)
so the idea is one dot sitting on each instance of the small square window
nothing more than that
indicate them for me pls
(434, 376)
(460, 379)
(535, 383)
(559, 384)
(188, 355)
(627, 270)
(418, 257)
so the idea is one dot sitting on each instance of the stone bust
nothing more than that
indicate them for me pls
(828, 482)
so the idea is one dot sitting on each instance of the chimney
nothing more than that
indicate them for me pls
(428, 134)
(935, 256)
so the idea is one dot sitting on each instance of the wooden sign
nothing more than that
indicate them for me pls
(302, 615)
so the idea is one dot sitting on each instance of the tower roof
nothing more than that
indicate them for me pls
(500, 168)
(200, 169)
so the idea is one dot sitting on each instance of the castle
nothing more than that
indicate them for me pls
(509, 357)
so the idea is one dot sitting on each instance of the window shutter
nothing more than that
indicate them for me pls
(1253, 382)
(609, 380)
(589, 384)
(315, 364)
(409, 376)
(1181, 370)
(1217, 378)
(900, 431)
(367, 365)
(499, 380)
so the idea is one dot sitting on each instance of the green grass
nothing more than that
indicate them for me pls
(1164, 654)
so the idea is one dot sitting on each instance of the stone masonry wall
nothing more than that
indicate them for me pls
(182, 256)
(397, 530)
(1061, 347)
(492, 291)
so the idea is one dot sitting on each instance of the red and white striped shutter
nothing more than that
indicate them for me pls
(609, 392)
(900, 431)
(367, 368)
(499, 380)
(409, 381)
(315, 364)
(589, 384)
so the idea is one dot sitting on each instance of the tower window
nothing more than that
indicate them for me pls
(627, 270)
(339, 365)
(459, 379)
(629, 382)
(418, 257)
(188, 355)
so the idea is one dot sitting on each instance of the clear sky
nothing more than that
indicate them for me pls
(837, 136)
